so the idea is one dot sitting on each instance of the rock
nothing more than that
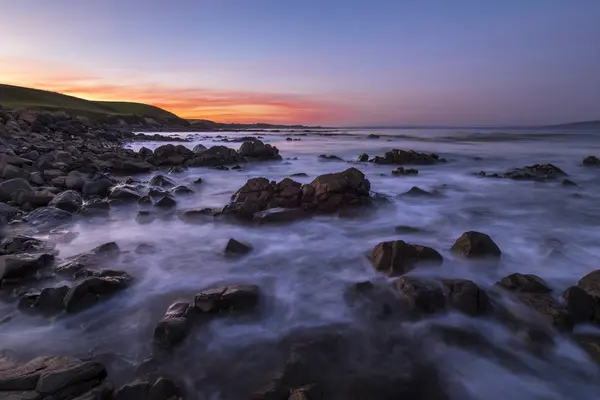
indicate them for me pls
(48, 301)
(75, 180)
(198, 181)
(466, 297)
(100, 187)
(476, 245)
(48, 217)
(96, 207)
(164, 389)
(98, 255)
(166, 202)
(145, 249)
(88, 292)
(423, 295)
(174, 327)
(307, 392)
(536, 172)
(364, 157)
(403, 157)
(144, 217)
(407, 229)
(37, 178)
(124, 193)
(398, 257)
(9, 187)
(259, 151)
(22, 244)
(378, 301)
(216, 155)
(590, 161)
(145, 201)
(136, 390)
(198, 216)
(145, 152)
(299, 175)
(169, 154)
(199, 148)
(69, 201)
(331, 192)
(568, 182)
(582, 306)
(279, 214)
(524, 283)
(162, 181)
(103, 391)
(590, 343)
(181, 190)
(14, 268)
(68, 268)
(33, 199)
(52, 382)
(330, 157)
(591, 283)
(177, 169)
(235, 248)
(416, 191)
(401, 171)
(234, 298)
(11, 172)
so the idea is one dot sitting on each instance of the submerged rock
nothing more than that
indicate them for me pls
(225, 299)
(398, 257)
(410, 157)
(591, 161)
(401, 171)
(91, 290)
(536, 172)
(235, 248)
(422, 295)
(416, 191)
(364, 157)
(18, 267)
(175, 326)
(466, 297)
(330, 157)
(476, 245)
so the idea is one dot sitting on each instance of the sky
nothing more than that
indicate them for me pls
(343, 62)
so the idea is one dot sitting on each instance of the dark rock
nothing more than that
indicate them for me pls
(48, 217)
(166, 202)
(69, 201)
(177, 169)
(568, 182)
(591, 283)
(10, 187)
(364, 157)
(373, 136)
(403, 157)
(174, 327)
(398, 257)
(524, 283)
(235, 248)
(330, 157)
(14, 268)
(299, 174)
(476, 245)
(169, 154)
(103, 391)
(144, 217)
(53, 382)
(145, 152)
(423, 295)
(466, 297)
(157, 193)
(259, 151)
(164, 389)
(100, 187)
(401, 171)
(236, 168)
(199, 148)
(162, 181)
(136, 390)
(234, 298)
(145, 201)
(91, 290)
(216, 155)
(34, 199)
(279, 214)
(124, 193)
(331, 192)
(68, 268)
(536, 172)
(181, 190)
(581, 305)
(198, 180)
(591, 161)
(75, 180)
(416, 191)
(378, 301)
(590, 343)
(95, 207)
(21, 244)
(48, 301)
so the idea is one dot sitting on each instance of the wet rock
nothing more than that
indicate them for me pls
(11, 172)
(401, 171)
(96, 207)
(145, 249)
(466, 297)
(536, 172)
(181, 190)
(100, 187)
(53, 382)
(373, 136)
(124, 193)
(236, 168)
(279, 215)
(174, 327)
(10, 187)
(69, 268)
(216, 155)
(330, 157)
(524, 283)
(164, 389)
(48, 301)
(145, 152)
(22, 244)
(75, 180)
(375, 300)
(591, 161)
(591, 283)
(398, 257)
(144, 217)
(103, 391)
(221, 168)
(35, 199)
(91, 290)
(416, 191)
(199, 148)
(69, 201)
(258, 150)
(198, 181)
(364, 157)
(166, 202)
(169, 154)
(235, 248)
(145, 201)
(422, 295)
(18, 267)
(331, 192)
(136, 390)
(162, 181)
(225, 299)
(198, 216)
(582, 306)
(590, 343)
(410, 157)
(476, 245)
(48, 217)
(568, 182)
(308, 392)
(98, 255)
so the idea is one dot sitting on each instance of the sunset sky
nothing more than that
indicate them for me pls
(345, 62)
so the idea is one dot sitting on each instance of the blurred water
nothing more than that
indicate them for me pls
(304, 267)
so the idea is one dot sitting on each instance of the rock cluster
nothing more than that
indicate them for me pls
(407, 157)
(536, 172)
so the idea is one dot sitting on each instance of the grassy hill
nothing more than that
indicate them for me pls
(16, 97)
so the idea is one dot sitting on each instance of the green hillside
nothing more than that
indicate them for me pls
(16, 97)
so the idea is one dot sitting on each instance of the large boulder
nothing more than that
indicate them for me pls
(10, 187)
(331, 192)
(47, 301)
(175, 326)
(170, 154)
(466, 297)
(18, 267)
(407, 157)
(476, 245)
(215, 156)
(48, 217)
(398, 257)
(581, 305)
(423, 296)
(68, 200)
(228, 299)
(258, 150)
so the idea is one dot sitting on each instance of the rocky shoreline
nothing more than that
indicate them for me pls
(54, 170)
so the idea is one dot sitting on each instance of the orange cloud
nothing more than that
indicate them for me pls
(217, 105)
